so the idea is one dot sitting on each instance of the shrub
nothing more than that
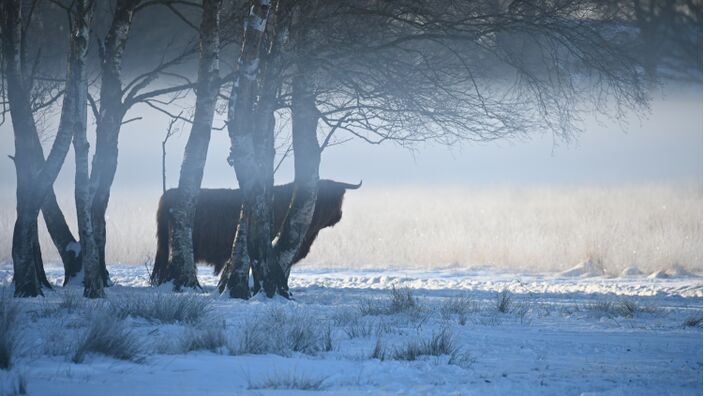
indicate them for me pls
(327, 340)
(461, 358)
(402, 300)
(693, 321)
(110, 336)
(292, 381)
(359, 328)
(71, 301)
(164, 308)
(460, 306)
(12, 383)
(399, 301)
(379, 352)
(281, 333)
(503, 301)
(438, 344)
(208, 336)
(623, 308)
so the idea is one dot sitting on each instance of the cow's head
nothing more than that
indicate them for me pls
(328, 211)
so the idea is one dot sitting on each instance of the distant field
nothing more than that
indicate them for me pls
(533, 228)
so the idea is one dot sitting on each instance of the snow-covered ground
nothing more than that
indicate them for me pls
(449, 331)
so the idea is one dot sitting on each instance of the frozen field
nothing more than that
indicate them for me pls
(532, 228)
(449, 331)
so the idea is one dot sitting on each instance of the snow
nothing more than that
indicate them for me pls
(562, 335)
(675, 271)
(585, 269)
(74, 247)
(631, 271)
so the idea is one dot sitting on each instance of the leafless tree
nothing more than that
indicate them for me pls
(116, 99)
(35, 178)
(181, 264)
(400, 71)
(250, 125)
(170, 131)
(110, 106)
(45, 91)
(667, 35)
(407, 72)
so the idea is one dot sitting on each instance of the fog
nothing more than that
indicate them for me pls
(664, 145)
(506, 203)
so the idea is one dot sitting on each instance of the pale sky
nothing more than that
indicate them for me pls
(665, 146)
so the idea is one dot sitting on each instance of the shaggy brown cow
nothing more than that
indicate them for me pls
(217, 215)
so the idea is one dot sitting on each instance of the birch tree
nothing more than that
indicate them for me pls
(415, 71)
(181, 264)
(44, 93)
(34, 179)
(251, 155)
(110, 106)
(305, 117)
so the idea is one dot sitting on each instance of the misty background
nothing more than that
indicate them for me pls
(662, 146)
(627, 193)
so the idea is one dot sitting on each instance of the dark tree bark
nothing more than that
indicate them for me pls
(34, 183)
(108, 123)
(306, 152)
(69, 249)
(182, 266)
(83, 191)
(248, 124)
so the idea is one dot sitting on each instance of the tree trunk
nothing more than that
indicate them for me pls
(66, 244)
(69, 249)
(102, 175)
(108, 124)
(305, 193)
(78, 84)
(246, 143)
(26, 254)
(93, 281)
(181, 263)
(235, 278)
(34, 183)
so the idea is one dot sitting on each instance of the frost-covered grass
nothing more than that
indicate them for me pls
(9, 327)
(693, 321)
(206, 335)
(109, 335)
(289, 381)
(282, 332)
(398, 301)
(504, 301)
(625, 308)
(12, 384)
(163, 307)
(427, 333)
(650, 226)
(438, 344)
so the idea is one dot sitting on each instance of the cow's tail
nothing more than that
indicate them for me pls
(161, 260)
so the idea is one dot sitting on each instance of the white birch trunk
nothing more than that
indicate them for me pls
(83, 192)
(246, 158)
(34, 182)
(109, 122)
(307, 163)
(181, 263)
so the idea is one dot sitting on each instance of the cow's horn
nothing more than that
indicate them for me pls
(348, 186)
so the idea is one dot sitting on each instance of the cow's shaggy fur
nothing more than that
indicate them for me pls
(217, 216)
